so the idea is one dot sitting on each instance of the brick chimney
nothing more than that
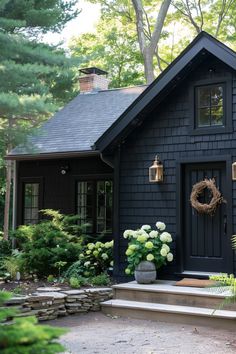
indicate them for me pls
(93, 80)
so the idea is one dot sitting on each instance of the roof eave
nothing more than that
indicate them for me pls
(53, 155)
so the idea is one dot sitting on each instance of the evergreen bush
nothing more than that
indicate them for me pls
(49, 242)
(24, 335)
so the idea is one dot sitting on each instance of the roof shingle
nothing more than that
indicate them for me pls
(80, 123)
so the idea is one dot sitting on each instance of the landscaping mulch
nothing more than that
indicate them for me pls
(29, 287)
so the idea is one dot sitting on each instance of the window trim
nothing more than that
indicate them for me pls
(197, 107)
(94, 178)
(227, 106)
(29, 180)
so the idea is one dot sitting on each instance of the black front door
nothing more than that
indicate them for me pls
(205, 242)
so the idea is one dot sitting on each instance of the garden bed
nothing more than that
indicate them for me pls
(29, 287)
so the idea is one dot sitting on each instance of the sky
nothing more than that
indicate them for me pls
(85, 22)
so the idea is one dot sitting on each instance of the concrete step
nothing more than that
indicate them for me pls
(164, 292)
(196, 316)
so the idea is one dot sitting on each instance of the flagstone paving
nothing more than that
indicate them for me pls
(96, 333)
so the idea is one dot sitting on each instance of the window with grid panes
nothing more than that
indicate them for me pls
(209, 105)
(31, 203)
(94, 205)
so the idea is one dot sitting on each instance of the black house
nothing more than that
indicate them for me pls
(93, 158)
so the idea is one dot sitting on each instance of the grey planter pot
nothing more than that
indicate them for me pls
(145, 272)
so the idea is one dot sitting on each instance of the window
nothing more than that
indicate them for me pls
(94, 205)
(209, 105)
(31, 203)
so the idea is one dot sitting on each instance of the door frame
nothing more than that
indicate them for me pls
(180, 164)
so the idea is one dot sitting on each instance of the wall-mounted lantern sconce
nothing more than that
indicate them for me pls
(64, 169)
(234, 171)
(156, 171)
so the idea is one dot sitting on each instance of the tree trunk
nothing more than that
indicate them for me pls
(7, 200)
(148, 45)
(148, 65)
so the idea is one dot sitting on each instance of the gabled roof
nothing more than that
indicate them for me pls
(79, 124)
(203, 45)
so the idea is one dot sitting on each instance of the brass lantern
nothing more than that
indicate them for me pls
(234, 171)
(156, 171)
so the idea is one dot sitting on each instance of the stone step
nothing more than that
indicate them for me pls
(165, 292)
(196, 316)
(195, 274)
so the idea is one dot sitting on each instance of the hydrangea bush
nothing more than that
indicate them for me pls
(146, 244)
(95, 259)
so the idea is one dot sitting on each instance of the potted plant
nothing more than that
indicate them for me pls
(147, 251)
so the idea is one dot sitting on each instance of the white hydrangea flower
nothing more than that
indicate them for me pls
(165, 237)
(163, 252)
(166, 247)
(146, 227)
(104, 256)
(153, 234)
(135, 234)
(127, 233)
(160, 225)
(86, 264)
(169, 257)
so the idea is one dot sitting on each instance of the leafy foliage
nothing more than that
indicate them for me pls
(49, 244)
(95, 259)
(5, 251)
(24, 335)
(234, 242)
(77, 281)
(225, 283)
(114, 46)
(101, 279)
(13, 264)
(111, 50)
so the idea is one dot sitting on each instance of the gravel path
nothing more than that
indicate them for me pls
(95, 333)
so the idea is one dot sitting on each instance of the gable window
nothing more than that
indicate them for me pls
(209, 105)
(94, 205)
(31, 203)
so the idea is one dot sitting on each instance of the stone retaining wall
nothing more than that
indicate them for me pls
(48, 305)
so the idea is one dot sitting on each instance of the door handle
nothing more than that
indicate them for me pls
(225, 224)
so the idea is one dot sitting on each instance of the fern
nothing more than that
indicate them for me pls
(225, 283)
(234, 242)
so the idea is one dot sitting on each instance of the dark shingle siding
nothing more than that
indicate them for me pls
(165, 132)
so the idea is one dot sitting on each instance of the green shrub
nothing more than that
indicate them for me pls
(75, 270)
(24, 335)
(5, 251)
(50, 278)
(101, 279)
(14, 263)
(49, 242)
(77, 282)
(5, 248)
(96, 258)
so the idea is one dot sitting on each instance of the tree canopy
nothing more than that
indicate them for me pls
(153, 34)
(35, 78)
